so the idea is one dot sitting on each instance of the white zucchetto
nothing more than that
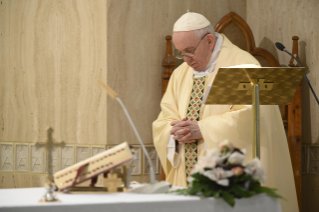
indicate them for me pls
(190, 21)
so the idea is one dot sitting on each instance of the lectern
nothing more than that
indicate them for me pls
(254, 86)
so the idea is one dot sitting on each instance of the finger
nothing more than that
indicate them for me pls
(182, 131)
(174, 129)
(187, 142)
(182, 124)
(190, 141)
(174, 123)
(185, 138)
(178, 137)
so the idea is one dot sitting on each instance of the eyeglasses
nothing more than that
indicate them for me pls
(180, 55)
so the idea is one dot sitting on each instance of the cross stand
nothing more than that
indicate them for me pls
(50, 195)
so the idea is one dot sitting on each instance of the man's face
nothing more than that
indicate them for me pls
(186, 42)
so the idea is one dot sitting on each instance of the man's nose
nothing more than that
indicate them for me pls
(187, 58)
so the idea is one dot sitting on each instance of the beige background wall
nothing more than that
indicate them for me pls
(277, 21)
(52, 52)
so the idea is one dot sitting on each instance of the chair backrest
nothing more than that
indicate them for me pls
(239, 33)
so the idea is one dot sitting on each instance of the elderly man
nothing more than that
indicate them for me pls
(185, 128)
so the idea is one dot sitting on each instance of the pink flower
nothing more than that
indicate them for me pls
(237, 171)
(226, 146)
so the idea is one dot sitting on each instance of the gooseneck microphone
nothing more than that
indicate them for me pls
(154, 186)
(280, 46)
(283, 48)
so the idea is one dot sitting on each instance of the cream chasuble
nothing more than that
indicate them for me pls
(220, 122)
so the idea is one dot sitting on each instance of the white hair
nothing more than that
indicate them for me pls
(200, 32)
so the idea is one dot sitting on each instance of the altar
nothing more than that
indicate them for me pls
(26, 200)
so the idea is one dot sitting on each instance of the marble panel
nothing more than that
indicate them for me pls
(82, 153)
(6, 157)
(154, 158)
(136, 165)
(313, 160)
(21, 158)
(55, 160)
(304, 159)
(37, 159)
(97, 149)
(52, 54)
(67, 156)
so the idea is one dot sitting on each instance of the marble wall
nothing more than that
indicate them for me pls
(277, 21)
(52, 52)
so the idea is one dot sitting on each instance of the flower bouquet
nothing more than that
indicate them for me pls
(221, 174)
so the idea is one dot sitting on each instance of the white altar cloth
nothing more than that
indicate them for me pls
(26, 200)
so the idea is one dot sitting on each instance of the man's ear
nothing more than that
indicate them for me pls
(211, 40)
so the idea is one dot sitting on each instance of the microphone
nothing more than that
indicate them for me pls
(154, 186)
(280, 46)
(283, 48)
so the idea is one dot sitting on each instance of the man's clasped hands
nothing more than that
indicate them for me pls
(185, 131)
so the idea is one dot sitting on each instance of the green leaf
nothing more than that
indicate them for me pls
(208, 192)
(217, 194)
(239, 191)
(180, 191)
(242, 178)
(270, 192)
(194, 189)
(228, 198)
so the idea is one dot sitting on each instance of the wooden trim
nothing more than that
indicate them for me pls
(295, 141)
(295, 128)
(241, 23)
(251, 47)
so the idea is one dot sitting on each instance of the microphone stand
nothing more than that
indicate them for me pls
(152, 173)
(283, 48)
(313, 92)
(154, 186)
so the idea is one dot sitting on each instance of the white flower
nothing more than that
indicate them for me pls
(236, 158)
(204, 162)
(219, 175)
(212, 152)
(190, 180)
(217, 156)
(226, 146)
(255, 169)
(213, 157)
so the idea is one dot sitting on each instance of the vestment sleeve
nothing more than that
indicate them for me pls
(162, 125)
(235, 125)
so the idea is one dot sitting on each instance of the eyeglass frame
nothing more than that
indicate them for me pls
(192, 54)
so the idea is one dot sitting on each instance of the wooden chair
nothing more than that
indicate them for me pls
(239, 33)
